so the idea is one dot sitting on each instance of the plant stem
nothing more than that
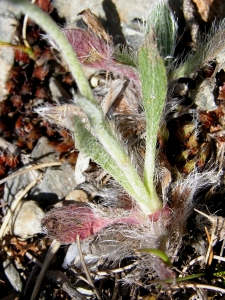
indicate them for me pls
(90, 147)
(119, 157)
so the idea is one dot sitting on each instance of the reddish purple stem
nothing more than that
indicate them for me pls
(65, 223)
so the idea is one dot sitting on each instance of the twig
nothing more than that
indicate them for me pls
(36, 167)
(199, 286)
(192, 262)
(33, 259)
(219, 258)
(86, 269)
(48, 259)
(14, 204)
(209, 255)
(116, 287)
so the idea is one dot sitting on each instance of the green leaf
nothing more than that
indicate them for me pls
(211, 47)
(163, 26)
(158, 253)
(154, 88)
(90, 146)
(125, 56)
(119, 157)
(108, 145)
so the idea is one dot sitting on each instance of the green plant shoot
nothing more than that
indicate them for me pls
(154, 88)
(107, 151)
(158, 253)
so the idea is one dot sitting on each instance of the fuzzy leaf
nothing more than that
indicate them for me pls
(163, 25)
(92, 110)
(154, 89)
(119, 157)
(125, 56)
(89, 145)
(210, 48)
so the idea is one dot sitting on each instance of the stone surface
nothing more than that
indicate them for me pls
(57, 181)
(121, 19)
(7, 31)
(26, 220)
(12, 275)
(107, 9)
(116, 16)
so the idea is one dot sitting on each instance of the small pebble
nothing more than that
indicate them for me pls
(26, 220)
(77, 195)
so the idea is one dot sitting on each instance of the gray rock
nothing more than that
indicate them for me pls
(56, 184)
(57, 181)
(126, 10)
(12, 274)
(8, 25)
(26, 219)
(204, 96)
(14, 185)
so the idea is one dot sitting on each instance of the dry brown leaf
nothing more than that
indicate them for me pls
(197, 12)
(209, 10)
(94, 24)
(203, 7)
(24, 246)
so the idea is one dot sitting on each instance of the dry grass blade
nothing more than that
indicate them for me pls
(222, 247)
(219, 258)
(32, 168)
(117, 285)
(33, 259)
(86, 269)
(61, 279)
(191, 263)
(199, 259)
(200, 286)
(209, 255)
(48, 259)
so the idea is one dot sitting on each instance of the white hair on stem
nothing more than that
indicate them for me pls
(183, 192)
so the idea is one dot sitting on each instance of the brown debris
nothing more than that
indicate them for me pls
(94, 24)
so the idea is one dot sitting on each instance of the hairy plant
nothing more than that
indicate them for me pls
(94, 133)
(210, 49)
(99, 142)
